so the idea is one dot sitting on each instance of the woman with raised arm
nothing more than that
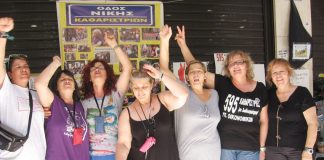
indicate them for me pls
(16, 101)
(67, 134)
(243, 105)
(198, 139)
(292, 116)
(103, 101)
(145, 130)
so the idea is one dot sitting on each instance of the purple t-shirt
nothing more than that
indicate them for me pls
(59, 133)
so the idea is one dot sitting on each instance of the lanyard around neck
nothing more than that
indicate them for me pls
(99, 109)
(72, 114)
(150, 123)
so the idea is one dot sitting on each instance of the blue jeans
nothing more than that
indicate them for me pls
(108, 157)
(228, 154)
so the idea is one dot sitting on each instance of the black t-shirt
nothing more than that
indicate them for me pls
(292, 125)
(239, 127)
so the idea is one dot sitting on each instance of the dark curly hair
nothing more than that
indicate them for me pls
(53, 84)
(87, 86)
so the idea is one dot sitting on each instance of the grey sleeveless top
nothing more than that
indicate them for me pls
(196, 128)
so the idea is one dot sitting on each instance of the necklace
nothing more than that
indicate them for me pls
(150, 120)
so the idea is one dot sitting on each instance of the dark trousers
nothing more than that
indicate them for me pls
(283, 153)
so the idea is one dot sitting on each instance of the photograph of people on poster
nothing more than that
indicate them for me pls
(70, 48)
(83, 48)
(106, 53)
(150, 51)
(75, 67)
(149, 34)
(84, 56)
(130, 49)
(301, 51)
(130, 34)
(74, 34)
(69, 56)
(97, 35)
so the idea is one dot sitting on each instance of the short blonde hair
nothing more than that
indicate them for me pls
(140, 75)
(246, 58)
(195, 62)
(278, 61)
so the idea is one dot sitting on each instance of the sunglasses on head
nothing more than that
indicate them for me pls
(17, 56)
(12, 57)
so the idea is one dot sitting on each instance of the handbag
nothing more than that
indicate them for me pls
(10, 140)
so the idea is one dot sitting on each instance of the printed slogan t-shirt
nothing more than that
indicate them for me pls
(240, 114)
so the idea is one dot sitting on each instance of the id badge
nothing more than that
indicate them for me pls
(99, 120)
(77, 136)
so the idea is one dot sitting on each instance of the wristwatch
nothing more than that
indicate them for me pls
(309, 150)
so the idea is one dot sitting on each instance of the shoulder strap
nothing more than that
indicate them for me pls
(158, 97)
(30, 113)
(128, 112)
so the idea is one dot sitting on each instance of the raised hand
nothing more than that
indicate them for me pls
(6, 24)
(153, 72)
(57, 61)
(181, 36)
(110, 39)
(165, 33)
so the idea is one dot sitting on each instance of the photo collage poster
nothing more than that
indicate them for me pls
(135, 25)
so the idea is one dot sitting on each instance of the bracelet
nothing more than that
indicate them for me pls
(161, 76)
(115, 47)
(6, 36)
(263, 149)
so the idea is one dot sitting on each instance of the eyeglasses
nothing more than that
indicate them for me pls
(95, 68)
(241, 62)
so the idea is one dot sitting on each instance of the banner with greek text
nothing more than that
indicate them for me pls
(135, 24)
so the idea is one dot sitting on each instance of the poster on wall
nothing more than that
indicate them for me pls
(258, 69)
(301, 51)
(283, 53)
(82, 24)
(219, 62)
(301, 78)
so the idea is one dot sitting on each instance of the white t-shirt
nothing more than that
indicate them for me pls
(14, 113)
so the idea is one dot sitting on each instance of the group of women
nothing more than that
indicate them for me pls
(230, 117)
